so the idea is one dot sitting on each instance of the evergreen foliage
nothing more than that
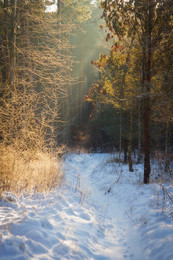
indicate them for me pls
(136, 75)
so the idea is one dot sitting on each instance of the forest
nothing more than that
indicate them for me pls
(85, 77)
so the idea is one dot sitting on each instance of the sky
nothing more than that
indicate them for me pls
(53, 7)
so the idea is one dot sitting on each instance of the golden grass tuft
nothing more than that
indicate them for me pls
(29, 170)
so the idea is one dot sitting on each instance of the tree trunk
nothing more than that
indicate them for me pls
(130, 144)
(146, 140)
(166, 147)
(59, 8)
(120, 138)
(139, 134)
(147, 82)
(80, 82)
(125, 150)
(13, 43)
(6, 43)
(125, 138)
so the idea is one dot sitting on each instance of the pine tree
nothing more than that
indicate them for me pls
(142, 28)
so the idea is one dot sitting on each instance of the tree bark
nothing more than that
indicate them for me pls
(139, 134)
(130, 144)
(125, 138)
(146, 140)
(147, 82)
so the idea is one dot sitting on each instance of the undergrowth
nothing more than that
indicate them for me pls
(29, 170)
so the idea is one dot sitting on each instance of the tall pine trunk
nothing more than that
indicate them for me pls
(139, 134)
(146, 140)
(147, 83)
(130, 143)
(125, 139)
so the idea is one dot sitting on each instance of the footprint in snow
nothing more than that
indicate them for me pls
(46, 224)
(69, 211)
(36, 248)
(61, 249)
(85, 216)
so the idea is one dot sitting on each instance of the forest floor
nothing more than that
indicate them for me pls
(102, 211)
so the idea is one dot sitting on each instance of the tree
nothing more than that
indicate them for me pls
(139, 26)
(32, 44)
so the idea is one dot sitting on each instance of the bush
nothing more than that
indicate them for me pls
(29, 170)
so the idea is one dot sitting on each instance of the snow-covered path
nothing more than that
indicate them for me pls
(101, 212)
(109, 206)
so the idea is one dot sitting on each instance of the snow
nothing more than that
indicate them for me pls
(102, 211)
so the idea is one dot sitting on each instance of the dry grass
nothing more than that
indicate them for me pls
(29, 170)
